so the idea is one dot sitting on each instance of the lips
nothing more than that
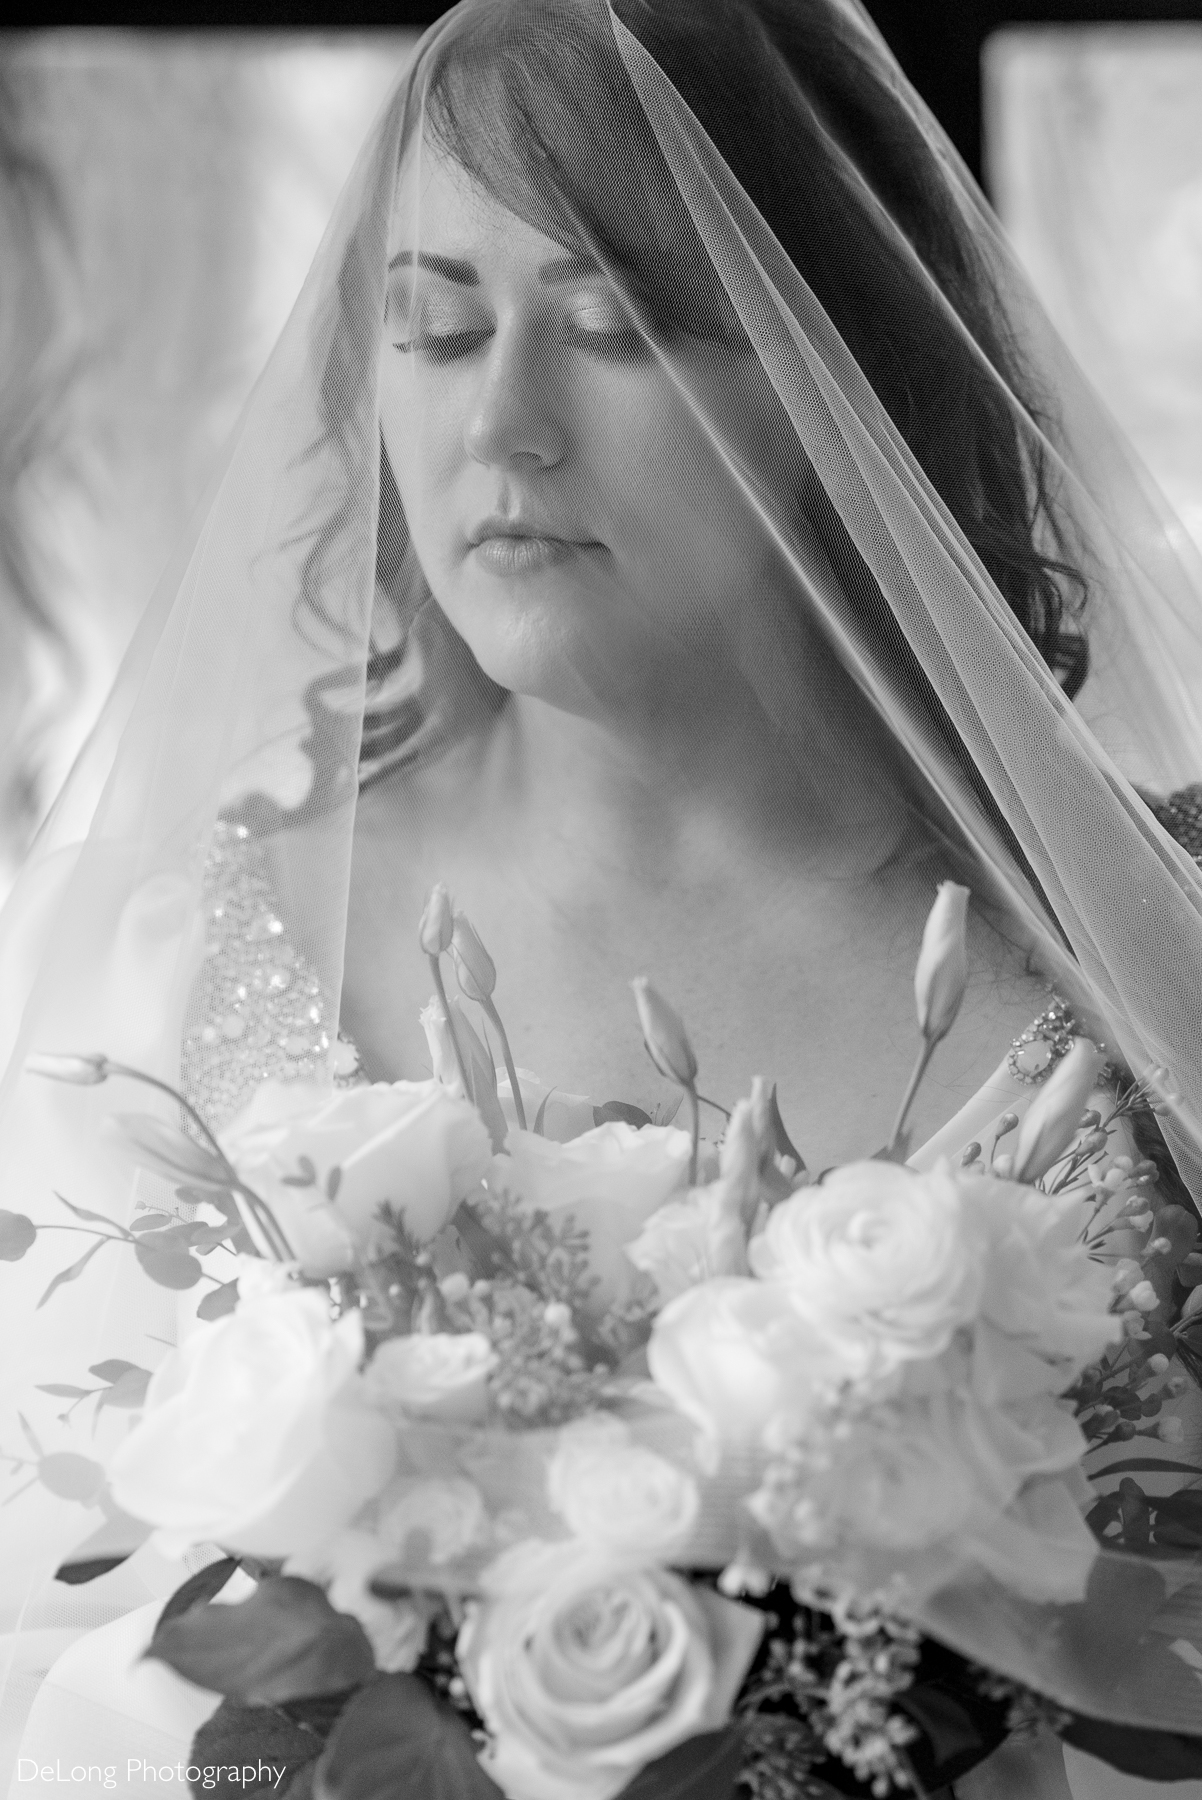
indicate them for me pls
(521, 545)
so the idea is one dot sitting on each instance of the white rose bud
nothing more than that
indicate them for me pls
(83, 1071)
(434, 1375)
(942, 972)
(615, 1493)
(664, 1034)
(437, 921)
(474, 967)
(1054, 1117)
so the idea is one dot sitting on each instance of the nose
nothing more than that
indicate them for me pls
(514, 419)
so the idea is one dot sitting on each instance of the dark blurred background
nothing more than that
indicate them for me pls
(937, 42)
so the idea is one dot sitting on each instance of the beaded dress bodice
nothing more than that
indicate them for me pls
(259, 1010)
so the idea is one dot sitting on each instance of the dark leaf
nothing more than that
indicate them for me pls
(702, 1768)
(951, 1732)
(105, 1549)
(61, 1391)
(618, 1112)
(71, 1477)
(17, 1233)
(254, 1737)
(170, 1268)
(166, 1150)
(114, 1368)
(77, 1268)
(782, 1143)
(219, 1301)
(198, 1589)
(1154, 1755)
(540, 1117)
(396, 1739)
(1136, 1464)
(154, 1221)
(284, 1643)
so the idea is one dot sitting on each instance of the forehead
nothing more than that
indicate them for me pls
(439, 207)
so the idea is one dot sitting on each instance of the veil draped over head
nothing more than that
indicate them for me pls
(780, 389)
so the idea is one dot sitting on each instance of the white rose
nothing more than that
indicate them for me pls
(610, 1179)
(397, 1629)
(1042, 1285)
(447, 1515)
(879, 1253)
(255, 1435)
(619, 1495)
(737, 1357)
(434, 1375)
(409, 1143)
(585, 1670)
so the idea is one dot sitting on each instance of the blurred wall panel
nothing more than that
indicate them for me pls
(194, 176)
(1094, 159)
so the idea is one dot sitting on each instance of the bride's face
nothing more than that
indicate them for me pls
(571, 516)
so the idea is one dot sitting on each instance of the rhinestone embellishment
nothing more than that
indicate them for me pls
(1036, 1051)
(259, 1012)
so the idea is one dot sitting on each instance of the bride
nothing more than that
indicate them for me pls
(667, 520)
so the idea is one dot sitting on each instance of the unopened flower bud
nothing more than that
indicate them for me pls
(474, 967)
(455, 1287)
(437, 923)
(969, 1154)
(558, 1315)
(1158, 1364)
(1006, 1124)
(941, 975)
(1176, 1385)
(83, 1071)
(1161, 1246)
(1003, 1166)
(1170, 1431)
(1125, 1274)
(664, 1035)
(1054, 1116)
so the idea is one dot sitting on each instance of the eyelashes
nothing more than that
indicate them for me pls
(611, 340)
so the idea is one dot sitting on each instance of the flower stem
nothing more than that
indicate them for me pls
(912, 1087)
(724, 1110)
(492, 1013)
(276, 1241)
(695, 1131)
(441, 991)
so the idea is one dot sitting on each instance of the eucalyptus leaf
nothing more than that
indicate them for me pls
(285, 1643)
(619, 1112)
(61, 1391)
(93, 1218)
(76, 1269)
(71, 1476)
(219, 1301)
(128, 1392)
(395, 1738)
(113, 1368)
(170, 1268)
(17, 1233)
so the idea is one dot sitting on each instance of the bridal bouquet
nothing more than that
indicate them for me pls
(604, 1461)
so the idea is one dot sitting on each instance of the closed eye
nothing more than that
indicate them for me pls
(445, 346)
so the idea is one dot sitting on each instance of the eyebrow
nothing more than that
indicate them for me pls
(451, 268)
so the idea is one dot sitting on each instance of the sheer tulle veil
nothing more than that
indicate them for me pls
(911, 471)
